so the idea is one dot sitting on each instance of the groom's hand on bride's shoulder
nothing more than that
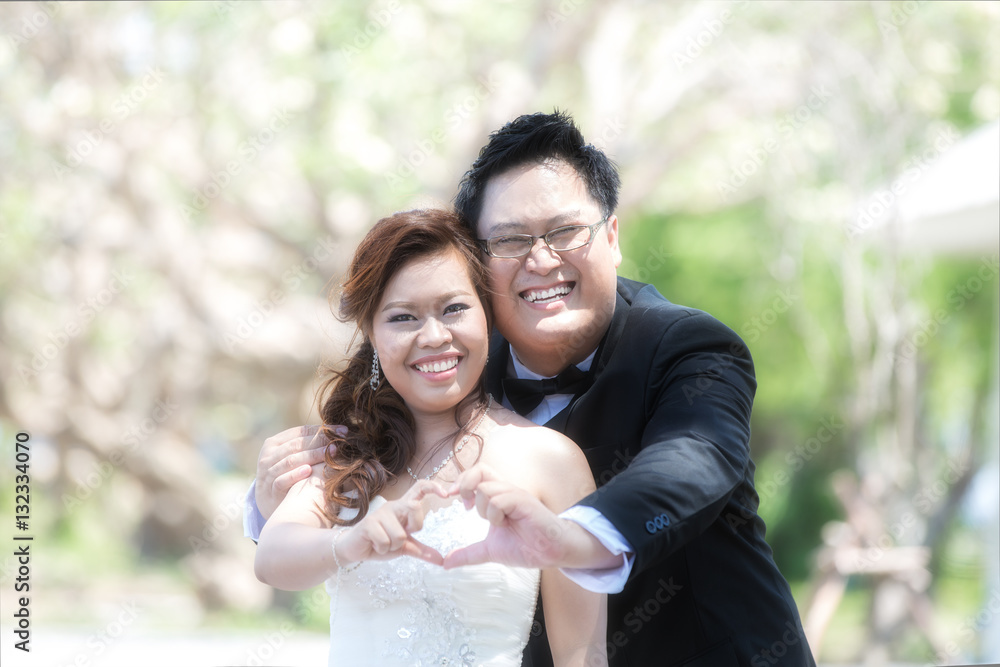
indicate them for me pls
(285, 459)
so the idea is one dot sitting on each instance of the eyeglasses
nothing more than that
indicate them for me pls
(560, 239)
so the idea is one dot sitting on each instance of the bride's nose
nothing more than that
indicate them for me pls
(433, 334)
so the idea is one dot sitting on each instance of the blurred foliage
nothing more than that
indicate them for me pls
(220, 160)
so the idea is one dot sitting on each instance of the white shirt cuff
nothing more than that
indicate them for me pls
(253, 520)
(609, 580)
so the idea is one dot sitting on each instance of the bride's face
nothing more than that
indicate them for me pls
(430, 333)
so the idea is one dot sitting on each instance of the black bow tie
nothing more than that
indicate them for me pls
(525, 395)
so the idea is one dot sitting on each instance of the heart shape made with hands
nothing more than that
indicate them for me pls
(495, 521)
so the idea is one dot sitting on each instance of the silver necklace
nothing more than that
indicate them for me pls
(451, 454)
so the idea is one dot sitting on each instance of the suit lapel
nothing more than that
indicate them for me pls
(605, 350)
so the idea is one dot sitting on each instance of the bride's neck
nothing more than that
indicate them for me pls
(432, 428)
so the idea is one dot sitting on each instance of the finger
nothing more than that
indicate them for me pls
(470, 555)
(378, 538)
(418, 549)
(282, 444)
(485, 494)
(467, 483)
(307, 457)
(284, 482)
(467, 480)
(396, 534)
(425, 488)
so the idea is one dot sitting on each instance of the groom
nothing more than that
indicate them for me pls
(658, 397)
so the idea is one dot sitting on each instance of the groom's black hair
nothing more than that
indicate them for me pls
(534, 139)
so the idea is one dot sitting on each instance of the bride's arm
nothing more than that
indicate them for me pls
(575, 619)
(295, 550)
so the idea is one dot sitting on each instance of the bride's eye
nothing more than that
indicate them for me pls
(402, 317)
(455, 308)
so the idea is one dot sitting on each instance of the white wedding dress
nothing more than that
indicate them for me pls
(407, 612)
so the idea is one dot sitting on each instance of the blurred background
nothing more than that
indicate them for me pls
(182, 183)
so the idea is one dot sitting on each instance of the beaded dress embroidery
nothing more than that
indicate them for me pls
(408, 612)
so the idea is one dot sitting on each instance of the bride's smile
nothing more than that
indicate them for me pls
(431, 335)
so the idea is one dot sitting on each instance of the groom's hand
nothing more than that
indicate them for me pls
(523, 531)
(285, 459)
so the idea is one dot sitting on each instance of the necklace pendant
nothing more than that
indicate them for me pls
(451, 455)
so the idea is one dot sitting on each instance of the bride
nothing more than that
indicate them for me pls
(375, 525)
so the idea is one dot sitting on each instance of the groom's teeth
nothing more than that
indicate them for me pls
(438, 366)
(542, 295)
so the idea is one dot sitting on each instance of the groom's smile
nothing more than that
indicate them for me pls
(546, 295)
(553, 307)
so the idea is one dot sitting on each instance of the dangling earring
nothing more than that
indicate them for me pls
(375, 380)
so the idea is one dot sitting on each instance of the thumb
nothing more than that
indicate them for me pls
(473, 554)
(418, 549)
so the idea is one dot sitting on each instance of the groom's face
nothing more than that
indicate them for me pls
(553, 307)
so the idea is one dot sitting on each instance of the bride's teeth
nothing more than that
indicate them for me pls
(437, 366)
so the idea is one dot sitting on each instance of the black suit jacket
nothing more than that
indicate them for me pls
(666, 429)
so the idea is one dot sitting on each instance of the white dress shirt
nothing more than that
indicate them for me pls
(611, 580)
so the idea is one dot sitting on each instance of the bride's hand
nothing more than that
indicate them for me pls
(386, 532)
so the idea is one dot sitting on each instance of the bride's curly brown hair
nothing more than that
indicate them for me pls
(380, 429)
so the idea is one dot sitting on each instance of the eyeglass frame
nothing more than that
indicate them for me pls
(484, 244)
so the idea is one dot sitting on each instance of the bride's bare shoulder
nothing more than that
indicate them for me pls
(527, 455)
(517, 437)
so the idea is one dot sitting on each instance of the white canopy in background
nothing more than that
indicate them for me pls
(945, 201)
(954, 208)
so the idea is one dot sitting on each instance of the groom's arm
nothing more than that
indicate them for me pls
(695, 445)
(695, 452)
